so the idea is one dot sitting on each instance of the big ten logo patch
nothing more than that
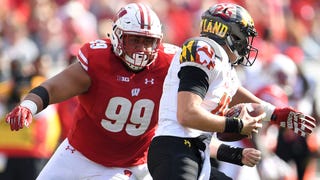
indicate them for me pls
(123, 78)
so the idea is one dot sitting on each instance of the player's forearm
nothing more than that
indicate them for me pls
(33, 102)
(36, 100)
(244, 96)
(198, 118)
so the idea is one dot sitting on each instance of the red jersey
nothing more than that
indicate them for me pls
(116, 119)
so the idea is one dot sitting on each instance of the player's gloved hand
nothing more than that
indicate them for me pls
(289, 118)
(20, 116)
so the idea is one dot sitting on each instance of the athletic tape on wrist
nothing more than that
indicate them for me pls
(268, 109)
(32, 106)
(230, 154)
(43, 94)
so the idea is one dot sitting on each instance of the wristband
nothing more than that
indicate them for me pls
(30, 105)
(268, 109)
(233, 125)
(43, 94)
(230, 154)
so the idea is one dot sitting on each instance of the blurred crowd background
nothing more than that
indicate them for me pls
(38, 38)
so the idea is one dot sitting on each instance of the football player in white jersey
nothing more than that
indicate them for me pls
(200, 86)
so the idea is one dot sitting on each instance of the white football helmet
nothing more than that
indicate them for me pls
(140, 20)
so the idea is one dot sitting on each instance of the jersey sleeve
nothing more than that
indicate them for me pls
(200, 54)
(93, 50)
(83, 56)
(194, 80)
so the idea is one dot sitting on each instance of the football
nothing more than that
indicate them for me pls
(253, 109)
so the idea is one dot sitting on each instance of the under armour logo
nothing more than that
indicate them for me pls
(187, 143)
(70, 148)
(146, 81)
(135, 92)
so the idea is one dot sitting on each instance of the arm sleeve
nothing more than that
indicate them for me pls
(194, 80)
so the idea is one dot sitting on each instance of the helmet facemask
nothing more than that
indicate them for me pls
(139, 51)
(241, 45)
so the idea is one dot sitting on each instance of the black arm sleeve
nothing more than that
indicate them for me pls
(193, 79)
(230, 154)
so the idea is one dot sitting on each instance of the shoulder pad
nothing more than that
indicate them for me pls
(200, 50)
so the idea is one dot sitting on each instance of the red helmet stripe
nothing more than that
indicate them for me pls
(144, 10)
(121, 13)
(149, 18)
(141, 16)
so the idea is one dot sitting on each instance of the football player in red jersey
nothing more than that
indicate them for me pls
(118, 82)
(200, 86)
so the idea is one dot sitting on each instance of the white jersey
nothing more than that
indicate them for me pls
(223, 84)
